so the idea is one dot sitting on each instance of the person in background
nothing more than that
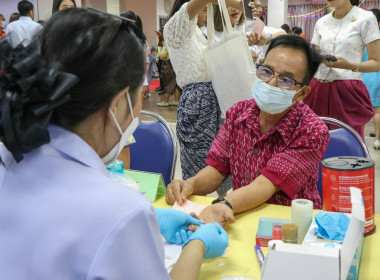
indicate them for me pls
(271, 145)
(160, 45)
(298, 31)
(13, 17)
(152, 61)
(55, 188)
(337, 91)
(286, 28)
(236, 18)
(23, 30)
(372, 81)
(167, 79)
(260, 47)
(198, 117)
(2, 33)
(59, 5)
(2, 21)
(294, 29)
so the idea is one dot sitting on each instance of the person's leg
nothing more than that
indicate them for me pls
(376, 120)
(177, 96)
(164, 100)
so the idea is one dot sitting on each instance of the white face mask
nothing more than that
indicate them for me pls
(114, 153)
(270, 99)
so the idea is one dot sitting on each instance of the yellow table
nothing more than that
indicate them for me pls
(242, 260)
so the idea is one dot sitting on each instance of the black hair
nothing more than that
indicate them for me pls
(376, 12)
(56, 4)
(176, 6)
(354, 2)
(100, 52)
(85, 59)
(298, 31)
(131, 15)
(14, 17)
(294, 28)
(298, 43)
(286, 28)
(24, 7)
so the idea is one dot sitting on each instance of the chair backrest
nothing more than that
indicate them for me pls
(344, 141)
(155, 149)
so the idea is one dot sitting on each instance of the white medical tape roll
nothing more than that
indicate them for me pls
(302, 216)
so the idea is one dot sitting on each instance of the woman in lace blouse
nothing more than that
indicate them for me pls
(198, 118)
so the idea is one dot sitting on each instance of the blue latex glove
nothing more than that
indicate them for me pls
(331, 225)
(214, 237)
(173, 225)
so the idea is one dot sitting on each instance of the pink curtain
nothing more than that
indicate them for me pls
(307, 23)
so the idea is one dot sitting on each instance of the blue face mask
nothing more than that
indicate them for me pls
(270, 99)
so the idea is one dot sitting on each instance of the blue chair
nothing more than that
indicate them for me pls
(344, 141)
(155, 149)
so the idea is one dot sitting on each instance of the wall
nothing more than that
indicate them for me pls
(147, 11)
(45, 7)
(161, 11)
(113, 7)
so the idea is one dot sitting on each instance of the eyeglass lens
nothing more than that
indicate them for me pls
(284, 82)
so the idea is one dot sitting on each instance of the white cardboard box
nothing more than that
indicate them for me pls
(291, 261)
(311, 239)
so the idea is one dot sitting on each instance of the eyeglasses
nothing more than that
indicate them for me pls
(283, 81)
(126, 23)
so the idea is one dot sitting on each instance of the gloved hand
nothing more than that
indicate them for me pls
(214, 237)
(174, 223)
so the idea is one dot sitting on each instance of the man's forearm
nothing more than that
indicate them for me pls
(207, 180)
(252, 195)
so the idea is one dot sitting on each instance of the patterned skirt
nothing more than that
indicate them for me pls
(198, 122)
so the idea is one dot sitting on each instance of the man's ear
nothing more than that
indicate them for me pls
(302, 94)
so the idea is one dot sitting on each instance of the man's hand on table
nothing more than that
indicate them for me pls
(178, 190)
(218, 212)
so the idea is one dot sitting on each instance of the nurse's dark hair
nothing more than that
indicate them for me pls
(298, 43)
(131, 15)
(56, 4)
(85, 59)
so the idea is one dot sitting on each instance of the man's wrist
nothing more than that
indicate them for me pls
(224, 201)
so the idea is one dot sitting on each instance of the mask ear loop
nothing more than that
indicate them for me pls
(130, 104)
(113, 116)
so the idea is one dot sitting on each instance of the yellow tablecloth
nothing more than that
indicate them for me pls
(242, 260)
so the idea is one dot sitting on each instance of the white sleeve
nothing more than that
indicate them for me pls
(316, 40)
(370, 30)
(179, 28)
(132, 249)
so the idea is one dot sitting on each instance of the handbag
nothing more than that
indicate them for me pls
(229, 61)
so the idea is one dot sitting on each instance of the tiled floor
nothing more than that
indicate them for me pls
(170, 114)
